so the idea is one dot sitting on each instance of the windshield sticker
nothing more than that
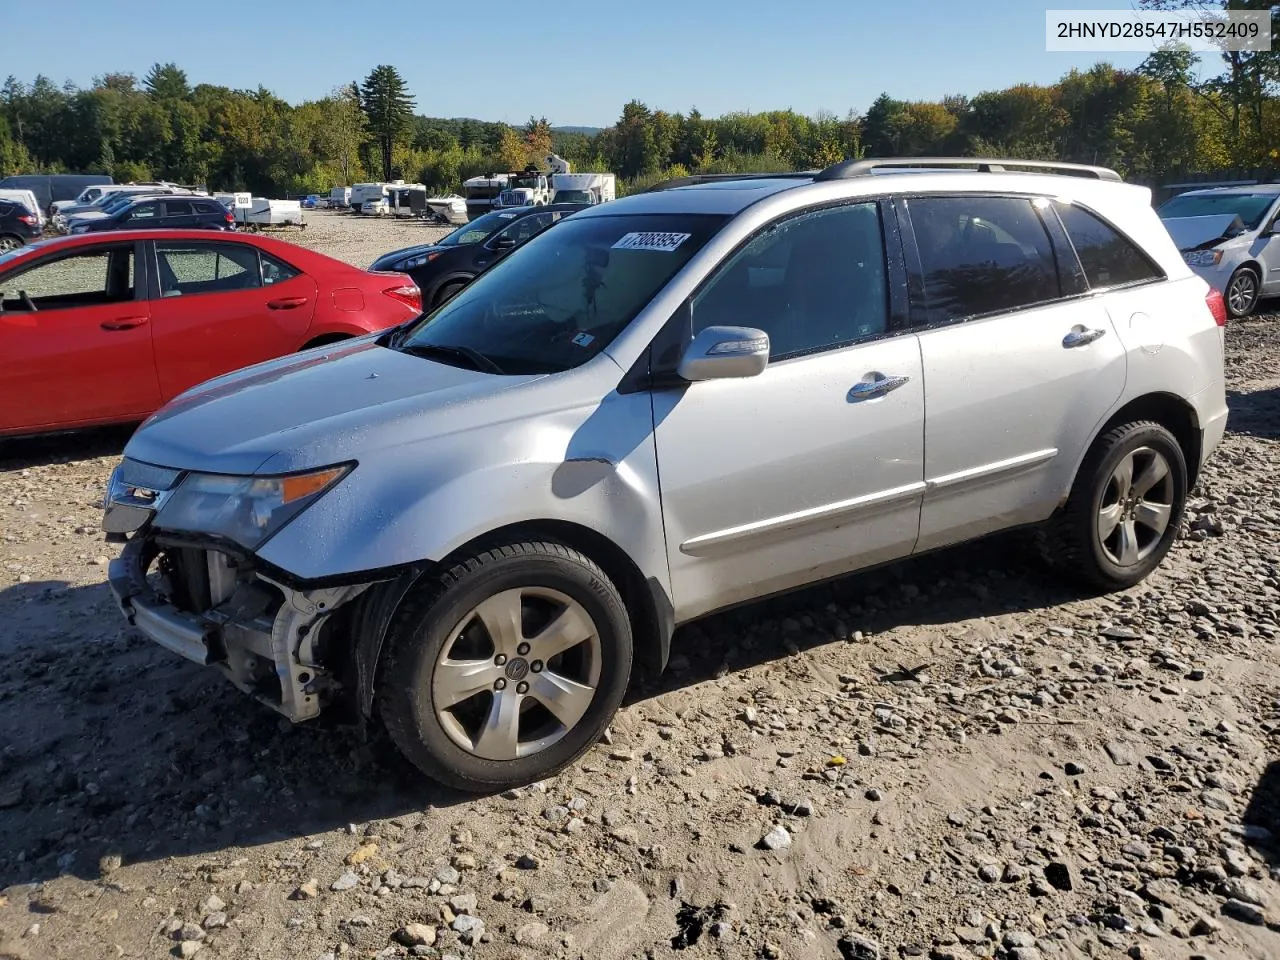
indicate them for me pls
(665, 242)
(583, 339)
(506, 216)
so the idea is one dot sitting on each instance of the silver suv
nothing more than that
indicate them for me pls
(469, 526)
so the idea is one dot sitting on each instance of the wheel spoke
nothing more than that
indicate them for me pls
(567, 699)
(459, 680)
(1153, 516)
(565, 632)
(501, 617)
(1155, 471)
(499, 738)
(1108, 517)
(1128, 543)
(1123, 476)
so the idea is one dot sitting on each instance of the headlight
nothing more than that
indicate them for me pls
(413, 262)
(1202, 258)
(246, 510)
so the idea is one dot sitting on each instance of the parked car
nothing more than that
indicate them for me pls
(104, 328)
(24, 198)
(443, 268)
(64, 211)
(668, 404)
(52, 186)
(159, 213)
(18, 225)
(1231, 237)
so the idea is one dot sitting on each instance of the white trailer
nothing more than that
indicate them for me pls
(480, 193)
(584, 187)
(365, 191)
(340, 198)
(262, 212)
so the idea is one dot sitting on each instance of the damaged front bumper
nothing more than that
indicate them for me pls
(218, 611)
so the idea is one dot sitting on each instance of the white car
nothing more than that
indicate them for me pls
(472, 525)
(1230, 236)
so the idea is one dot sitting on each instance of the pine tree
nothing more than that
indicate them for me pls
(389, 109)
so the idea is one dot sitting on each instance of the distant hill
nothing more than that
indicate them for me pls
(586, 131)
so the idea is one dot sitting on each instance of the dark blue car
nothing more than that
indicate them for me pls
(167, 212)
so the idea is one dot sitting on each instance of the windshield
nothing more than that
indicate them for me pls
(528, 180)
(573, 196)
(477, 229)
(565, 295)
(1249, 207)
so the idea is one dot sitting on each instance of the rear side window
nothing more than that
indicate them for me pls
(1109, 258)
(982, 255)
(275, 271)
(189, 269)
(177, 208)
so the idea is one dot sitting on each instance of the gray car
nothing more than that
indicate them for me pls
(471, 526)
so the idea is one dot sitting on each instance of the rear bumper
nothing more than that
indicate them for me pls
(262, 636)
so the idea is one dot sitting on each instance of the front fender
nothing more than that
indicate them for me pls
(421, 501)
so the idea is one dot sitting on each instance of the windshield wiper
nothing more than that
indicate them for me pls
(475, 359)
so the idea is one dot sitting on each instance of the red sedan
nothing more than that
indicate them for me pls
(106, 327)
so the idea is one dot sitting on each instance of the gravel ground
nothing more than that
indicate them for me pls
(358, 239)
(954, 758)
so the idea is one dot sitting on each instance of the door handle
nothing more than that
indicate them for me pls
(123, 323)
(874, 387)
(1079, 336)
(286, 303)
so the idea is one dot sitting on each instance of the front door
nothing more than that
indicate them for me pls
(76, 338)
(224, 306)
(815, 467)
(1020, 365)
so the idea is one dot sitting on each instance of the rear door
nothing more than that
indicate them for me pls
(178, 215)
(76, 340)
(221, 305)
(1020, 361)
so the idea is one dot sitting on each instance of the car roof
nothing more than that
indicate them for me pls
(1241, 190)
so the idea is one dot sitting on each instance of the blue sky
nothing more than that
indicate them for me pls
(575, 63)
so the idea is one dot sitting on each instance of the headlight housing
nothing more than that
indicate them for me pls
(80, 228)
(1202, 258)
(246, 510)
(409, 263)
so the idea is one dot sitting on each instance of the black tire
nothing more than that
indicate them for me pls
(9, 242)
(1243, 292)
(427, 619)
(448, 292)
(1070, 541)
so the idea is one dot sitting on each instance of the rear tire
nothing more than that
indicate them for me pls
(1124, 509)
(8, 243)
(463, 690)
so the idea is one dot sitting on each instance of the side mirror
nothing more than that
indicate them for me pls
(504, 243)
(721, 353)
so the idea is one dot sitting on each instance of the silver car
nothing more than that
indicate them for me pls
(471, 526)
(1230, 236)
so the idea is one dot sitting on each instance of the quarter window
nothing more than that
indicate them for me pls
(275, 271)
(188, 269)
(982, 255)
(1108, 258)
(811, 282)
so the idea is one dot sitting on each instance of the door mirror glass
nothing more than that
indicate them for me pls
(503, 242)
(719, 353)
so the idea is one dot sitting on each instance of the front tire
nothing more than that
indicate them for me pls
(507, 667)
(1243, 292)
(1124, 510)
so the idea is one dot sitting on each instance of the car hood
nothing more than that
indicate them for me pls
(1191, 232)
(315, 408)
(82, 215)
(396, 255)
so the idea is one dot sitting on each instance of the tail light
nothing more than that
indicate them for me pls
(229, 217)
(406, 293)
(29, 220)
(1217, 306)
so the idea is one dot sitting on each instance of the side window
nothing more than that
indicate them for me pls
(526, 228)
(1108, 258)
(85, 279)
(276, 271)
(147, 211)
(982, 255)
(811, 282)
(177, 208)
(190, 269)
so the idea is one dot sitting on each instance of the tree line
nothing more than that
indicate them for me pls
(1153, 122)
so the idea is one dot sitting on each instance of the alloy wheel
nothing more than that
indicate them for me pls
(1136, 508)
(1242, 292)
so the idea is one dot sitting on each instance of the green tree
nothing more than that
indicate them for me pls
(166, 81)
(388, 108)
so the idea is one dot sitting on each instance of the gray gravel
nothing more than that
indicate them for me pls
(1068, 776)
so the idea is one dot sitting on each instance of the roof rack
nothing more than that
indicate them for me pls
(860, 168)
(697, 178)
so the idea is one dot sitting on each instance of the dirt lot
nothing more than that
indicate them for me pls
(955, 758)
